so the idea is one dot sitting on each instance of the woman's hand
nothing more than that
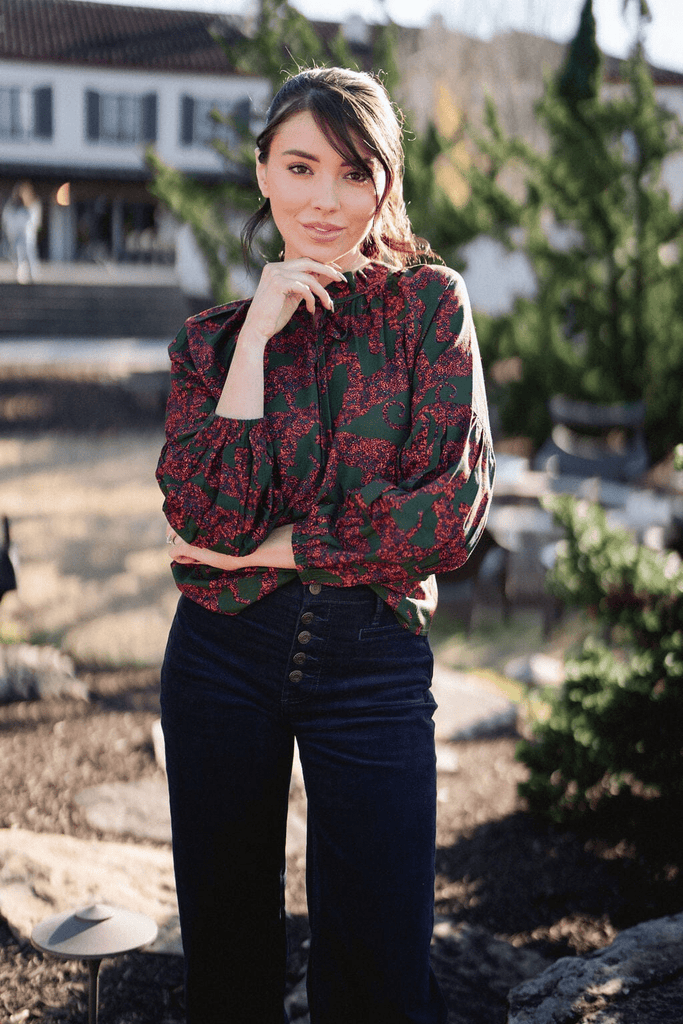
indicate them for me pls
(275, 552)
(188, 554)
(283, 287)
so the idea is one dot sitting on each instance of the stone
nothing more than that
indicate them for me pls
(638, 979)
(447, 758)
(536, 670)
(158, 744)
(139, 808)
(30, 671)
(468, 706)
(42, 874)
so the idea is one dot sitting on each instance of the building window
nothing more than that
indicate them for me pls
(199, 126)
(122, 118)
(25, 113)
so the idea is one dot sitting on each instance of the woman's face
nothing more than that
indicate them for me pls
(322, 206)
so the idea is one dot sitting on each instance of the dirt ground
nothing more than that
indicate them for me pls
(556, 892)
(499, 870)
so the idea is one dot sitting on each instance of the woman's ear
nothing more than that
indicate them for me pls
(261, 174)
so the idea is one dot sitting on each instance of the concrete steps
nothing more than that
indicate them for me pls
(80, 310)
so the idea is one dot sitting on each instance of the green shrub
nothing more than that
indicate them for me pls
(612, 741)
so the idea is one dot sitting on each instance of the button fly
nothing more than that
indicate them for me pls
(299, 658)
(307, 618)
(304, 637)
(296, 676)
(315, 588)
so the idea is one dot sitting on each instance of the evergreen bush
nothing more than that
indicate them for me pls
(612, 741)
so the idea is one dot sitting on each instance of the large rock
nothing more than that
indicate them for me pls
(139, 808)
(28, 671)
(43, 874)
(636, 980)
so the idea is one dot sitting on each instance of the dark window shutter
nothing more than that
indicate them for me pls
(42, 112)
(186, 120)
(241, 115)
(92, 115)
(149, 117)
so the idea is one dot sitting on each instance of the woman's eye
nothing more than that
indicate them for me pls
(359, 176)
(299, 168)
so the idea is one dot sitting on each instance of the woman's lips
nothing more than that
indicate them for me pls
(323, 232)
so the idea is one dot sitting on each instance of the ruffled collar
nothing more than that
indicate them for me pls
(368, 281)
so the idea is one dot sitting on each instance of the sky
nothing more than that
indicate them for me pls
(555, 18)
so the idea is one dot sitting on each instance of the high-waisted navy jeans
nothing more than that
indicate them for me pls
(333, 668)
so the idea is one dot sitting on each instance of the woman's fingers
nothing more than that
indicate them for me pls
(307, 287)
(301, 278)
(283, 286)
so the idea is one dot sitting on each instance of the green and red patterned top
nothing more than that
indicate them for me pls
(374, 444)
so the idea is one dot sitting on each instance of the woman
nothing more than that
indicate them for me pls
(327, 450)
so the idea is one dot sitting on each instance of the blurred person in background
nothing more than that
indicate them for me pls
(327, 449)
(21, 220)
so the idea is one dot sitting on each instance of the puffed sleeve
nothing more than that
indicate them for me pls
(389, 533)
(217, 474)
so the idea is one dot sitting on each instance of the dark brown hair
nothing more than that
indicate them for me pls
(350, 108)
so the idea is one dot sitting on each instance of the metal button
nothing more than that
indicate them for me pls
(296, 676)
(299, 658)
(304, 636)
(315, 588)
(307, 618)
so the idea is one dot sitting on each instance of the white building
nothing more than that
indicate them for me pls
(85, 88)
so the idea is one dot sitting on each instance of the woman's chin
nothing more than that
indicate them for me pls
(347, 260)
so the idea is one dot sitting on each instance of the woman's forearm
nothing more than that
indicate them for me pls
(276, 552)
(242, 395)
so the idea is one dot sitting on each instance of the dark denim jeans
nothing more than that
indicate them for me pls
(333, 668)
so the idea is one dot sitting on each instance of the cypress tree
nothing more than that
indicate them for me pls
(605, 244)
(580, 77)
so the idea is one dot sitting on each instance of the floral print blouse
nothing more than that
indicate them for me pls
(374, 444)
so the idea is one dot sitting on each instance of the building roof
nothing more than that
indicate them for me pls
(118, 36)
(112, 35)
(614, 71)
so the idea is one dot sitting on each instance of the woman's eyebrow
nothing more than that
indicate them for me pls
(309, 156)
(301, 153)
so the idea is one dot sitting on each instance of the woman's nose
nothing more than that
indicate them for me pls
(326, 195)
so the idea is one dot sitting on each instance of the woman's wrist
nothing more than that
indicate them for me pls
(251, 342)
(242, 395)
